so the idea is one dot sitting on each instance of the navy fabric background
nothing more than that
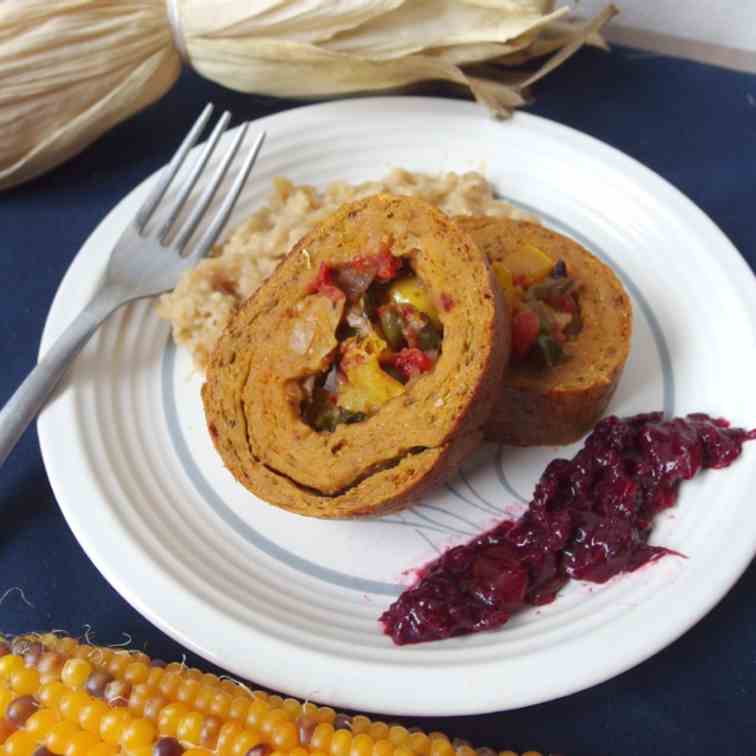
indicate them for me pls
(693, 124)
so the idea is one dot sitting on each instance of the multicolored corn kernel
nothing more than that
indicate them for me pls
(59, 697)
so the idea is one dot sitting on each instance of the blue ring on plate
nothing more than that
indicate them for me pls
(334, 577)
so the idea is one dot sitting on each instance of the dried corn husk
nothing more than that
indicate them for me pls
(71, 69)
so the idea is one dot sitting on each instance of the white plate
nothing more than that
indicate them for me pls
(292, 603)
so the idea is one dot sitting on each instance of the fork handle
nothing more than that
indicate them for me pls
(31, 395)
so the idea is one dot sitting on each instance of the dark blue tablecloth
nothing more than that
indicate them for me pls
(693, 124)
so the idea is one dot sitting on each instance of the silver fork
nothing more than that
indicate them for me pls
(141, 264)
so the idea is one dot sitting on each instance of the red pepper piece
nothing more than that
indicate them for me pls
(446, 302)
(566, 303)
(411, 362)
(388, 265)
(324, 284)
(525, 328)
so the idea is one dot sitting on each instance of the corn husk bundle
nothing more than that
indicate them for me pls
(72, 69)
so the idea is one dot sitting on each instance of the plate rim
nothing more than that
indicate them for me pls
(739, 276)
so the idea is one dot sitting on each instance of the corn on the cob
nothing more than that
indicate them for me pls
(59, 696)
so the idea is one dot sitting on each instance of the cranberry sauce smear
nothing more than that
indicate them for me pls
(590, 519)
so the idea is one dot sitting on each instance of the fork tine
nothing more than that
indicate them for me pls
(208, 193)
(199, 166)
(170, 171)
(219, 221)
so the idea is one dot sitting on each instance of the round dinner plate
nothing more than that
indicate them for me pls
(293, 603)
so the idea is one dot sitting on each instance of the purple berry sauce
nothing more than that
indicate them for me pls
(590, 519)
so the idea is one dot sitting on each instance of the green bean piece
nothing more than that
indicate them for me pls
(429, 338)
(551, 351)
(349, 417)
(391, 324)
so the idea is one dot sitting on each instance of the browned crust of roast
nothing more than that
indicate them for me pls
(540, 407)
(414, 441)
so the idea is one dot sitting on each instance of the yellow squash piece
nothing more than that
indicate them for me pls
(529, 262)
(368, 386)
(412, 292)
